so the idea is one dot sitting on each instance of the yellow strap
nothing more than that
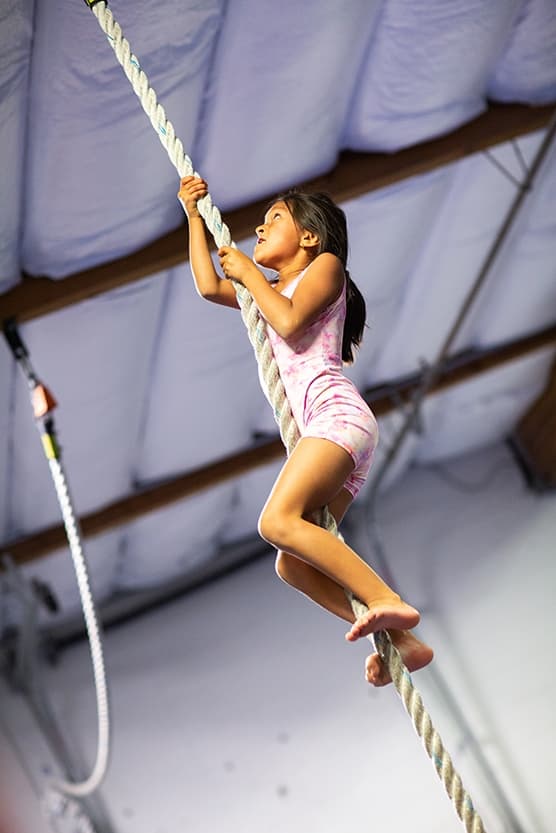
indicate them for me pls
(50, 446)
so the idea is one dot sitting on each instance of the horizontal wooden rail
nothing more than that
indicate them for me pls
(355, 174)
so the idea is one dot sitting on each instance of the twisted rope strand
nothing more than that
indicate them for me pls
(423, 725)
(93, 631)
(256, 328)
(275, 393)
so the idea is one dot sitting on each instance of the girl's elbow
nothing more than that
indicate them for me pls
(290, 329)
(205, 294)
(283, 330)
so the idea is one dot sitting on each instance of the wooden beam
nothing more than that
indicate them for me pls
(534, 439)
(355, 174)
(148, 500)
(460, 368)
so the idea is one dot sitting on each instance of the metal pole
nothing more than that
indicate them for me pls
(433, 372)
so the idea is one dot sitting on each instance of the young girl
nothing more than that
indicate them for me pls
(315, 317)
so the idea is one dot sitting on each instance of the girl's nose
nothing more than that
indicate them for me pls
(259, 230)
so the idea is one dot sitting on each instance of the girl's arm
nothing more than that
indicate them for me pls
(207, 282)
(321, 285)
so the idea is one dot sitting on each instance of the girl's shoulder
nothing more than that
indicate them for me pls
(329, 260)
(323, 281)
(326, 268)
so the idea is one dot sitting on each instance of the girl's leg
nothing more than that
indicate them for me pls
(312, 582)
(325, 592)
(313, 477)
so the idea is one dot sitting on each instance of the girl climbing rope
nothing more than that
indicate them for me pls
(315, 319)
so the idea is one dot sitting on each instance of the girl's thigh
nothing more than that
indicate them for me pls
(312, 477)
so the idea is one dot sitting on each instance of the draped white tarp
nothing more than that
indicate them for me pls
(278, 102)
(412, 85)
(97, 183)
(16, 33)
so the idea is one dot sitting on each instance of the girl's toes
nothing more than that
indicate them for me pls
(359, 628)
(372, 668)
(375, 672)
(353, 633)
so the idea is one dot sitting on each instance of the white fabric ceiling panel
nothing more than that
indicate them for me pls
(97, 198)
(206, 369)
(16, 30)
(249, 496)
(525, 300)
(413, 86)
(483, 410)
(171, 542)
(453, 254)
(388, 229)
(521, 297)
(526, 71)
(57, 572)
(284, 83)
(95, 358)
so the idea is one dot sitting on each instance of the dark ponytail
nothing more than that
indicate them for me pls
(320, 214)
(356, 318)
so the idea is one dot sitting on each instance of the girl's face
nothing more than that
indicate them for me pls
(278, 238)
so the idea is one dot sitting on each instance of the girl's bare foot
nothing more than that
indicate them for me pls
(415, 655)
(391, 613)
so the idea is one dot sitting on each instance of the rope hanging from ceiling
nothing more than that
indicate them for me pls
(275, 393)
(60, 799)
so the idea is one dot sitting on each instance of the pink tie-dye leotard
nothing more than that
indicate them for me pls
(324, 402)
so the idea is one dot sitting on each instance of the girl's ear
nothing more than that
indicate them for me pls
(308, 239)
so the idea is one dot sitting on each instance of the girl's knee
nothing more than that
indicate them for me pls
(266, 526)
(274, 528)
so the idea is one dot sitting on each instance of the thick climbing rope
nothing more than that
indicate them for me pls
(275, 393)
(73, 533)
(59, 793)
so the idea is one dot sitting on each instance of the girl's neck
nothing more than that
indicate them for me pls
(292, 270)
(288, 273)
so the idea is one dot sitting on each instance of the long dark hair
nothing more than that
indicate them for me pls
(319, 214)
